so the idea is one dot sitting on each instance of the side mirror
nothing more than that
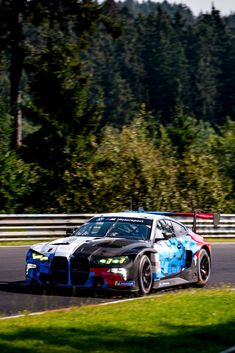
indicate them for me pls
(167, 235)
(69, 231)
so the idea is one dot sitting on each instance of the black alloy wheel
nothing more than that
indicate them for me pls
(145, 275)
(204, 267)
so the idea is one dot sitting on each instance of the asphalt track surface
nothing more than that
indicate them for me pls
(17, 298)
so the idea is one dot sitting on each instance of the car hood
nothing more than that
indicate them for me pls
(91, 246)
(110, 247)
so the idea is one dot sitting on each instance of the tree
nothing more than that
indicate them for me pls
(66, 124)
(187, 132)
(224, 148)
(43, 40)
(208, 66)
(58, 104)
(166, 78)
(71, 17)
(114, 67)
(201, 184)
(128, 165)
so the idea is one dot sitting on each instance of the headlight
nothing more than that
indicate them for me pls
(119, 271)
(39, 257)
(119, 260)
(29, 267)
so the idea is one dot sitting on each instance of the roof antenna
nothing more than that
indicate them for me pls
(141, 209)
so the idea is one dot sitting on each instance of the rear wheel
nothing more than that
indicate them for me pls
(204, 268)
(145, 275)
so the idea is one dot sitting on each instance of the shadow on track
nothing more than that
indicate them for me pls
(22, 287)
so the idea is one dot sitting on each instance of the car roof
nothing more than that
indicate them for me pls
(133, 214)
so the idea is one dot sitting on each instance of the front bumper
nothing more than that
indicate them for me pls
(62, 272)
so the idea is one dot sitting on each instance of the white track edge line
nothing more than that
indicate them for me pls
(77, 307)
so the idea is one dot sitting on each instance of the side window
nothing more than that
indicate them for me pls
(179, 229)
(164, 229)
(169, 230)
(159, 229)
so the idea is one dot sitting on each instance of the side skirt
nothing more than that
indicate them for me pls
(169, 282)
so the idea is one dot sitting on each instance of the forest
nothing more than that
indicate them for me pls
(110, 105)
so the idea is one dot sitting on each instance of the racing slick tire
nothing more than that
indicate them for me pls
(145, 275)
(204, 268)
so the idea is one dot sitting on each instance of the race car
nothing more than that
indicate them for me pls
(134, 251)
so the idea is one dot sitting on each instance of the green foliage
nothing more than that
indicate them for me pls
(138, 115)
(201, 184)
(16, 180)
(128, 165)
(166, 68)
(165, 59)
(5, 132)
(200, 181)
(189, 133)
(16, 177)
(224, 147)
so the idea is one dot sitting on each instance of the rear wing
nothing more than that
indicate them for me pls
(195, 215)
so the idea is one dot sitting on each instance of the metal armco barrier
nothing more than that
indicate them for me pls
(38, 226)
(51, 226)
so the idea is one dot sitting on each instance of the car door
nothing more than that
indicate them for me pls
(169, 258)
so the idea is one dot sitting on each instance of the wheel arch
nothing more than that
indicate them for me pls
(146, 251)
(206, 247)
(203, 269)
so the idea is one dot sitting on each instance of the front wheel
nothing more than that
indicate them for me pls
(204, 268)
(145, 275)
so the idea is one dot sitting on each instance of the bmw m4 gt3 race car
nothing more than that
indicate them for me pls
(135, 251)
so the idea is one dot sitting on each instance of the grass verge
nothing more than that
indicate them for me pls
(186, 321)
(220, 240)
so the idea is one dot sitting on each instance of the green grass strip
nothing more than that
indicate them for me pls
(220, 240)
(194, 320)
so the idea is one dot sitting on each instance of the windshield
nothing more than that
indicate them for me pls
(120, 227)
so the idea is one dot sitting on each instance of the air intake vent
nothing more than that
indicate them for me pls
(79, 270)
(59, 270)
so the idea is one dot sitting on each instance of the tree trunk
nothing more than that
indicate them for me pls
(16, 66)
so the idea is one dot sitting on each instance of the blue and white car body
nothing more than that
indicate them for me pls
(134, 251)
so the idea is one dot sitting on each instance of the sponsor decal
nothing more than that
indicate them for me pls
(121, 219)
(125, 283)
(161, 284)
(134, 220)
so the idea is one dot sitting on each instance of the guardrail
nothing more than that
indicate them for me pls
(38, 226)
(51, 226)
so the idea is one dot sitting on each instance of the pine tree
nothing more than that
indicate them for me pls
(166, 66)
(58, 104)
(209, 54)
